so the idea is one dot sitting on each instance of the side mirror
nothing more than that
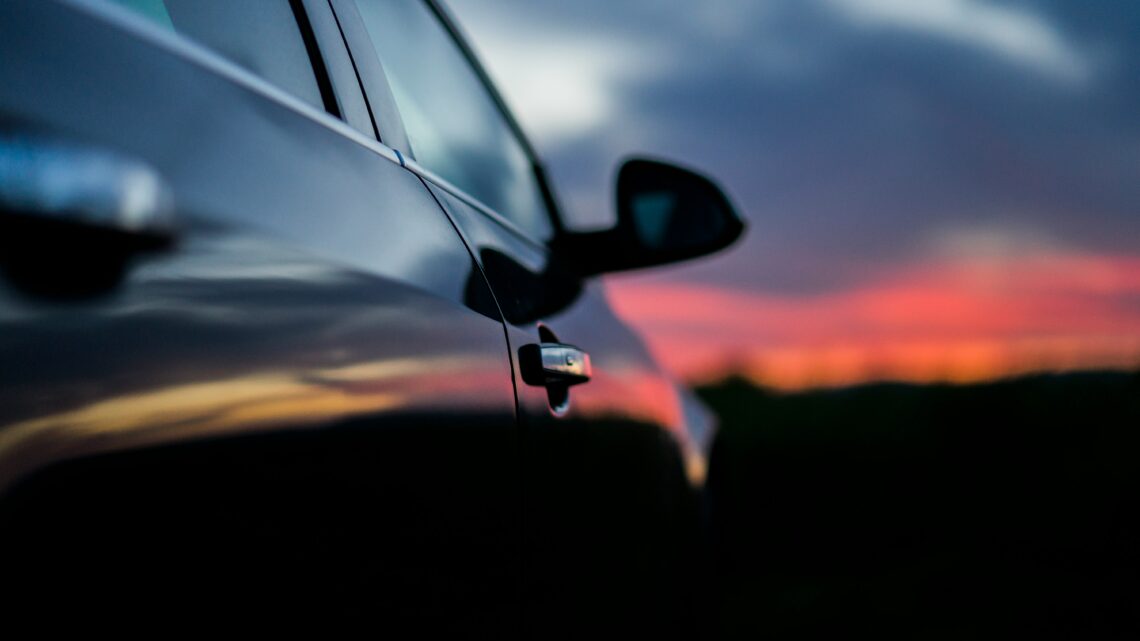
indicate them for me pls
(665, 214)
(72, 217)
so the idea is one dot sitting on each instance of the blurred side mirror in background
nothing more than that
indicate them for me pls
(72, 217)
(665, 214)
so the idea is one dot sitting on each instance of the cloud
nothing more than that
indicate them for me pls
(963, 141)
(564, 89)
(1016, 34)
(945, 319)
(991, 240)
(560, 83)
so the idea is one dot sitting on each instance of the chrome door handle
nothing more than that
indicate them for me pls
(553, 364)
(63, 185)
(72, 218)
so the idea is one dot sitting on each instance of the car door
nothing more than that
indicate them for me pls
(247, 365)
(609, 514)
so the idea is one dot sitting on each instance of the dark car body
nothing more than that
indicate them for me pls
(303, 400)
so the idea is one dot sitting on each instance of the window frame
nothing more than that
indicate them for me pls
(330, 58)
(332, 55)
(380, 98)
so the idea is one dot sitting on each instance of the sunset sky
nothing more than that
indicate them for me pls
(936, 189)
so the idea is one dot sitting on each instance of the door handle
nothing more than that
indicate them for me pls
(72, 217)
(553, 365)
(43, 181)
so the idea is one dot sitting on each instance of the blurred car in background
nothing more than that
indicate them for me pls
(290, 329)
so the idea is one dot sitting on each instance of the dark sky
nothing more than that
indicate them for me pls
(867, 141)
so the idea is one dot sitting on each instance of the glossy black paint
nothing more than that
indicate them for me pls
(312, 401)
(305, 382)
(608, 511)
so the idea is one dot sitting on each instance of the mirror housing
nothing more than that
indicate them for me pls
(665, 214)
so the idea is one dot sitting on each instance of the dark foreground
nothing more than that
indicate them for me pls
(1001, 510)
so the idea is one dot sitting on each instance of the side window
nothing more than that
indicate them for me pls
(260, 35)
(454, 127)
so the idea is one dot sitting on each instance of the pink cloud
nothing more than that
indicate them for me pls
(938, 320)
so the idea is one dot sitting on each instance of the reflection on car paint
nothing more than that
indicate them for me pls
(304, 344)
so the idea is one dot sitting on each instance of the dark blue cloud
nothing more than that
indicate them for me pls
(852, 131)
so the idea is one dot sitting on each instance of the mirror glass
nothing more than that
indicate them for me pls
(665, 214)
(671, 209)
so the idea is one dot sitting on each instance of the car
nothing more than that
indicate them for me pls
(292, 329)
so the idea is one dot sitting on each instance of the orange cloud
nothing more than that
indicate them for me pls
(943, 320)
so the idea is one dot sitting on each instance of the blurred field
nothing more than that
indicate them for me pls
(998, 510)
